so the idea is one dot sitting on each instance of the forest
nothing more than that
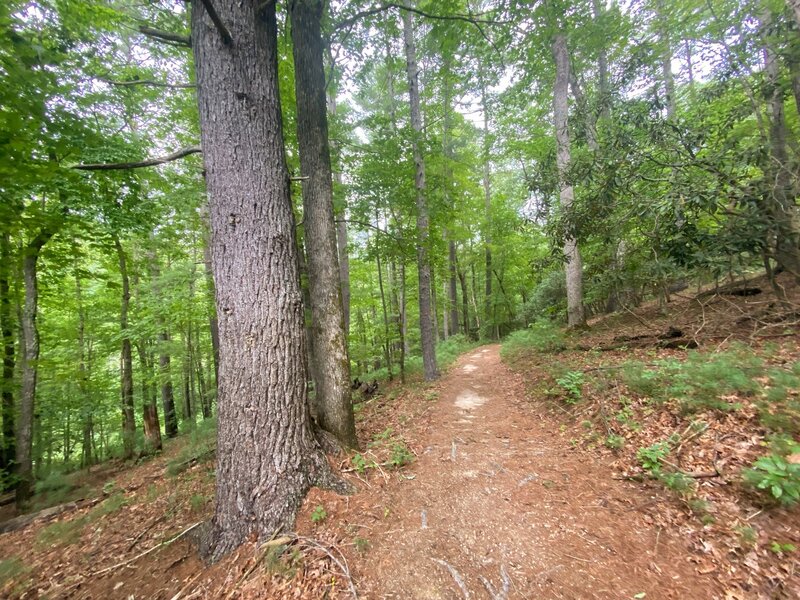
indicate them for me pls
(266, 243)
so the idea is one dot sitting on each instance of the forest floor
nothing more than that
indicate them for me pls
(489, 483)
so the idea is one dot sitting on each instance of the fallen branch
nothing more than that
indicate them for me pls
(146, 552)
(153, 523)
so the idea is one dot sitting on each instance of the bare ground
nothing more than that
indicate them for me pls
(499, 501)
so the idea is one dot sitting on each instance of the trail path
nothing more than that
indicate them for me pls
(500, 507)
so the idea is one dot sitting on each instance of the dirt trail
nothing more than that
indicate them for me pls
(498, 500)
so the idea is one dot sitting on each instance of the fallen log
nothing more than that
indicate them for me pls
(46, 514)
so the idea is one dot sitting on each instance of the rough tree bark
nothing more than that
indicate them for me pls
(329, 351)
(262, 386)
(126, 358)
(423, 262)
(30, 356)
(574, 270)
(7, 335)
(781, 205)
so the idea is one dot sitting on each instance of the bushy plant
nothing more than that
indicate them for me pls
(542, 336)
(651, 457)
(572, 383)
(776, 475)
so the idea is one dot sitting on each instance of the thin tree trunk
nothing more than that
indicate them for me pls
(7, 334)
(152, 428)
(474, 299)
(464, 300)
(447, 151)
(329, 352)
(386, 338)
(574, 275)
(30, 358)
(666, 59)
(164, 358)
(83, 377)
(446, 319)
(427, 334)
(487, 207)
(188, 378)
(262, 386)
(126, 358)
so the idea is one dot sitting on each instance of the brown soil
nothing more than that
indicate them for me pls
(497, 499)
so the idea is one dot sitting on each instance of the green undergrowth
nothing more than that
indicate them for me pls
(694, 387)
(447, 352)
(200, 444)
(542, 336)
(69, 531)
(14, 576)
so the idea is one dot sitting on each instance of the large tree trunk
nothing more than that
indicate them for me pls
(781, 205)
(574, 270)
(7, 341)
(262, 386)
(30, 357)
(329, 352)
(423, 263)
(341, 237)
(126, 358)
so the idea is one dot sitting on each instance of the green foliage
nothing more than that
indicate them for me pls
(361, 545)
(401, 455)
(572, 383)
(614, 441)
(14, 575)
(359, 463)
(651, 457)
(777, 476)
(542, 336)
(782, 548)
(61, 533)
(318, 515)
(200, 445)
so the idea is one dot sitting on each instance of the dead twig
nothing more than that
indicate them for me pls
(146, 552)
(342, 564)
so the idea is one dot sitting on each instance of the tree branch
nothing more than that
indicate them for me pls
(150, 162)
(384, 7)
(223, 31)
(175, 39)
(151, 82)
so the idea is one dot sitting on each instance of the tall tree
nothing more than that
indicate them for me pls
(423, 261)
(262, 387)
(329, 349)
(574, 267)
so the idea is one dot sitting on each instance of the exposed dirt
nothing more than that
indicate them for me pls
(497, 500)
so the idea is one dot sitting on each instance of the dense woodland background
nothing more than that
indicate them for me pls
(654, 141)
